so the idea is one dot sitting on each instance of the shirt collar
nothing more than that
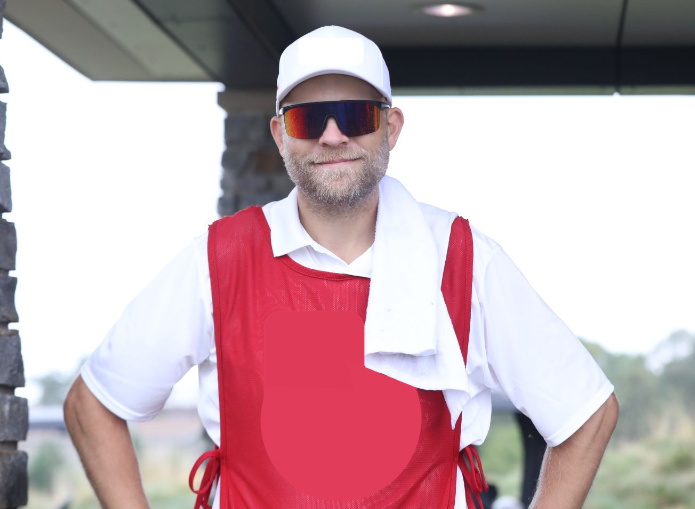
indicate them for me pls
(286, 231)
(288, 237)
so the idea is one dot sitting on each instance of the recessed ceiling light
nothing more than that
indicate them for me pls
(448, 10)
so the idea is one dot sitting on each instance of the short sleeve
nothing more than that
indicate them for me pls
(164, 331)
(533, 358)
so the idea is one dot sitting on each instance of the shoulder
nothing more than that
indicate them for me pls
(483, 246)
(241, 228)
(440, 222)
(200, 242)
(199, 246)
(247, 216)
(434, 214)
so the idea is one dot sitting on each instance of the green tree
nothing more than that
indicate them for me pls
(55, 386)
(677, 383)
(637, 390)
(43, 466)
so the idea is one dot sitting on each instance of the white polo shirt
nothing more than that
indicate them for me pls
(517, 345)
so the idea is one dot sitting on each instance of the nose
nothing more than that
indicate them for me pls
(332, 135)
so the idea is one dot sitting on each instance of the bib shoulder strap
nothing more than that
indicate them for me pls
(457, 287)
(457, 281)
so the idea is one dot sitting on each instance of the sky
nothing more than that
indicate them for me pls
(591, 196)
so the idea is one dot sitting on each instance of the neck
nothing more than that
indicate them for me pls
(347, 233)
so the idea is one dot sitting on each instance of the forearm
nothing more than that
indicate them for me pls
(569, 469)
(103, 442)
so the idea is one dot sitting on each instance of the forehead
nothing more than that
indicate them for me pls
(331, 87)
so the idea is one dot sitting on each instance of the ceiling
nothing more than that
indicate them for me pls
(508, 47)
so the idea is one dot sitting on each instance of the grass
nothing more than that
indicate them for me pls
(654, 473)
(657, 472)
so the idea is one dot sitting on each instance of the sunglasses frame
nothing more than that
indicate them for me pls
(382, 105)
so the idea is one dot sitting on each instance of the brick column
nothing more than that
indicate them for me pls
(253, 171)
(13, 410)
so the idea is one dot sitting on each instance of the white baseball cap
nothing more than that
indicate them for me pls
(332, 50)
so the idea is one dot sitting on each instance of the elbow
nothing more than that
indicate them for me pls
(606, 419)
(599, 428)
(612, 412)
(70, 407)
(74, 403)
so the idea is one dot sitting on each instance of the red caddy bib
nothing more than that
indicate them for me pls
(251, 288)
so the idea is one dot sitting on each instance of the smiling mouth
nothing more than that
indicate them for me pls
(338, 161)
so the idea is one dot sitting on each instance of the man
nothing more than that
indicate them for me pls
(445, 313)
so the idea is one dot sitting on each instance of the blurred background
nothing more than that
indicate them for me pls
(565, 133)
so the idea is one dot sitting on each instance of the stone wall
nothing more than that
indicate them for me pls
(13, 410)
(253, 171)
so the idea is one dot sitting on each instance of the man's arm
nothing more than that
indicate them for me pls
(569, 468)
(103, 442)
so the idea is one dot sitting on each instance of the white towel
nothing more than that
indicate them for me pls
(408, 333)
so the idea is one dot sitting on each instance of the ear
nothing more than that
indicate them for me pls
(394, 120)
(276, 128)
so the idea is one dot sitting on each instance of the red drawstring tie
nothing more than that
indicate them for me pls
(212, 469)
(472, 471)
(473, 476)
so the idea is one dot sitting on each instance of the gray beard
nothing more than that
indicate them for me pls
(339, 190)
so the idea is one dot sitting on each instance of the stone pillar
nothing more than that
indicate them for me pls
(253, 170)
(14, 420)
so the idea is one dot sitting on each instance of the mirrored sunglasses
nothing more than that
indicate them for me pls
(307, 121)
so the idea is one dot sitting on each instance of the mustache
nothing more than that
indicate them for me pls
(325, 157)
